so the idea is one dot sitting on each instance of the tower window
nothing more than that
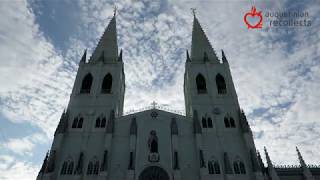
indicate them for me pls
(176, 160)
(232, 123)
(204, 123)
(77, 122)
(213, 167)
(96, 168)
(201, 84)
(210, 123)
(226, 122)
(239, 167)
(107, 84)
(103, 122)
(64, 168)
(90, 168)
(97, 122)
(93, 167)
(221, 84)
(229, 122)
(67, 167)
(86, 84)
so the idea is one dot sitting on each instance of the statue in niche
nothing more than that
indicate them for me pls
(153, 142)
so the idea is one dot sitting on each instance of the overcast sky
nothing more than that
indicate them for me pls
(276, 70)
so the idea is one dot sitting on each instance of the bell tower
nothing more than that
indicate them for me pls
(221, 131)
(100, 82)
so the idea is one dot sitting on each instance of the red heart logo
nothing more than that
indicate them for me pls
(253, 14)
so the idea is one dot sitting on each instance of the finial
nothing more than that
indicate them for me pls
(302, 163)
(83, 58)
(267, 156)
(115, 10)
(154, 104)
(193, 11)
(224, 59)
(188, 57)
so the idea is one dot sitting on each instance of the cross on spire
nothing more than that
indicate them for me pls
(115, 10)
(193, 11)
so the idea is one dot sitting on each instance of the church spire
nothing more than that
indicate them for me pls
(271, 170)
(200, 45)
(306, 172)
(107, 46)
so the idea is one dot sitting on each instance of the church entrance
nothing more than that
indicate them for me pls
(154, 173)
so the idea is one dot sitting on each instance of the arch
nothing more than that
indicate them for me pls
(236, 167)
(96, 168)
(80, 122)
(226, 122)
(107, 84)
(64, 168)
(204, 123)
(86, 83)
(90, 168)
(242, 168)
(214, 167)
(221, 84)
(232, 123)
(210, 125)
(75, 122)
(103, 122)
(201, 84)
(98, 122)
(154, 173)
(70, 167)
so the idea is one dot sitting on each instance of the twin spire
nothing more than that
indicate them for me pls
(107, 48)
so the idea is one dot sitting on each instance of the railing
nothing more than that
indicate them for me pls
(295, 166)
(154, 106)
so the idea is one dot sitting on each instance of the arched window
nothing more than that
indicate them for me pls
(213, 167)
(86, 84)
(96, 168)
(107, 84)
(216, 167)
(232, 123)
(221, 84)
(204, 123)
(75, 122)
(98, 122)
(226, 122)
(242, 168)
(210, 167)
(210, 123)
(64, 168)
(201, 84)
(236, 168)
(103, 122)
(90, 168)
(80, 122)
(70, 167)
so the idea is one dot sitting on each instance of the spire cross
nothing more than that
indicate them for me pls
(115, 10)
(193, 11)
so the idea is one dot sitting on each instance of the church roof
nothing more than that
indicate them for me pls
(107, 47)
(200, 45)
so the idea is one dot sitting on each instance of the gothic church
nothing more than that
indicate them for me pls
(95, 141)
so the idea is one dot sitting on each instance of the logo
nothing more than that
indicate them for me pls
(253, 19)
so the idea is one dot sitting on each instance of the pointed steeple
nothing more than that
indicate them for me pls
(188, 57)
(306, 172)
(224, 59)
(84, 57)
(120, 56)
(107, 45)
(200, 45)
(271, 170)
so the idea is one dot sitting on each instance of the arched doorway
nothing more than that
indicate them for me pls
(154, 173)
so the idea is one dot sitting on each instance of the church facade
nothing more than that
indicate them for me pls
(95, 141)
